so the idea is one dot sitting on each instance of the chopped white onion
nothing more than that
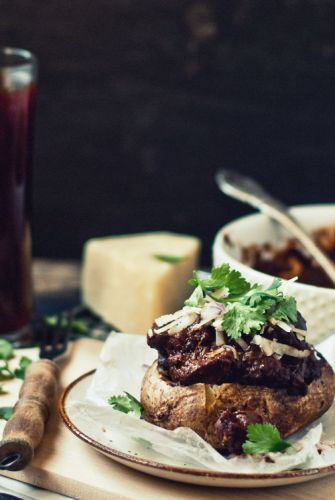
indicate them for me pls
(210, 313)
(211, 310)
(242, 343)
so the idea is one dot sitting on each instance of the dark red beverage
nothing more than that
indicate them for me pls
(17, 103)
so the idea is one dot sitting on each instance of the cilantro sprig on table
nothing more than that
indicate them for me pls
(6, 349)
(263, 438)
(7, 373)
(6, 412)
(247, 307)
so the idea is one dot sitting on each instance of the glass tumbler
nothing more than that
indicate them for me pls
(18, 75)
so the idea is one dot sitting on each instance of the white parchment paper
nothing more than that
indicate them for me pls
(123, 361)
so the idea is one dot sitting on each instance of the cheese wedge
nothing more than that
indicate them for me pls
(131, 280)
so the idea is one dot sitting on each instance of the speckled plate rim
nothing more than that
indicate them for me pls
(152, 467)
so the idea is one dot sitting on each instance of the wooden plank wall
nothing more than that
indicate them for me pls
(141, 101)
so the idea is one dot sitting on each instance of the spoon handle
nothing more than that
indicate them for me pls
(249, 191)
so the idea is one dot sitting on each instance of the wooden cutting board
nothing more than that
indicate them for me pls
(66, 465)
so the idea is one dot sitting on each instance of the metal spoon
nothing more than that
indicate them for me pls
(249, 191)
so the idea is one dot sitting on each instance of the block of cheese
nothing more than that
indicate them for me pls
(130, 280)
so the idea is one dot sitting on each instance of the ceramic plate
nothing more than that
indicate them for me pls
(77, 390)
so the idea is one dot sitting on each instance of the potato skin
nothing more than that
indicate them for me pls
(199, 406)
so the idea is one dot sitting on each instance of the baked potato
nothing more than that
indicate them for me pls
(199, 406)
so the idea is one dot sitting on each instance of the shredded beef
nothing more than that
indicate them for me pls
(231, 429)
(190, 357)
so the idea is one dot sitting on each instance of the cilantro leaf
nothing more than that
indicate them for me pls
(263, 438)
(21, 370)
(196, 298)
(222, 277)
(247, 307)
(196, 281)
(275, 284)
(126, 404)
(266, 297)
(6, 412)
(236, 283)
(286, 310)
(241, 318)
(218, 277)
(170, 259)
(6, 349)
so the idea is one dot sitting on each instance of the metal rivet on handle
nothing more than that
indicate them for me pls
(7, 462)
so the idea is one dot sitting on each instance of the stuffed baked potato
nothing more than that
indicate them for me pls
(226, 362)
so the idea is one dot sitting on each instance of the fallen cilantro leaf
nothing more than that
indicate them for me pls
(143, 442)
(79, 326)
(6, 349)
(5, 372)
(21, 370)
(75, 325)
(240, 318)
(2, 389)
(6, 412)
(126, 403)
(263, 438)
(51, 320)
(170, 259)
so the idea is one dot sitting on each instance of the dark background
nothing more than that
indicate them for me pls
(140, 101)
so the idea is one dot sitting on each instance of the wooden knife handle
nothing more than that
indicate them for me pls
(24, 430)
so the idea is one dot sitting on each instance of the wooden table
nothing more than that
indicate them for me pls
(66, 465)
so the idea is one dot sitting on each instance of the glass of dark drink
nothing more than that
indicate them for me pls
(18, 72)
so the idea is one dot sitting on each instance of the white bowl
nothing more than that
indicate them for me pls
(316, 304)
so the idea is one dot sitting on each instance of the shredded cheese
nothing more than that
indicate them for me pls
(270, 347)
(168, 318)
(219, 339)
(299, 331)
(182, 319)
(284, 326)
